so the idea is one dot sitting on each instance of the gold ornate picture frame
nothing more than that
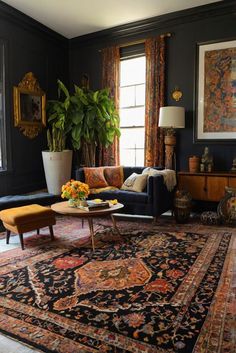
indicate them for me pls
(29, 106)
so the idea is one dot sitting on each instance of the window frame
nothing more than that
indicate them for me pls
(5, 124)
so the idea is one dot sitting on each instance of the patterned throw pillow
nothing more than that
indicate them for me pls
(135, 182)
(114, 176)
(94, 177)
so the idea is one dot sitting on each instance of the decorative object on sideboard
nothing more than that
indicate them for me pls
(171, 118)
(177, 94)
(233, 169)
(206, 161)
(182, 206)
(29, 106)
(194, 164)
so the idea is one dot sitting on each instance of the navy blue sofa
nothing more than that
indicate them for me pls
(153, 201)
(43, 199)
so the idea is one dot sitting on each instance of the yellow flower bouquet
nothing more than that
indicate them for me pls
(75, 190)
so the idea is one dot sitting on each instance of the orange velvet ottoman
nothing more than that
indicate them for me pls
(27, 218)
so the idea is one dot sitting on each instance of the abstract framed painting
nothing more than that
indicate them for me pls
(215, 104)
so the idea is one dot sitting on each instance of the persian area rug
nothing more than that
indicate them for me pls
(148, 291)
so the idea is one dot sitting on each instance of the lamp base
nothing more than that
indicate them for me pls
(170, 142)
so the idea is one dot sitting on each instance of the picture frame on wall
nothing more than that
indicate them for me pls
(29, 106)
(215, 101)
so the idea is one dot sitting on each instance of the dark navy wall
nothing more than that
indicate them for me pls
(29, 47)
(206, 23)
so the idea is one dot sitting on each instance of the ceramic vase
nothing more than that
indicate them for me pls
(194, 163)
(57, 167)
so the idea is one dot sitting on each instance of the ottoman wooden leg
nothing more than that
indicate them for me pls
(51, 232)
(8, 236)
(21, 241)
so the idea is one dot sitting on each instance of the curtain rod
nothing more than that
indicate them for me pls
(140, 41)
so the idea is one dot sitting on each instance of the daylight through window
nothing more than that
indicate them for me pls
(132, 111)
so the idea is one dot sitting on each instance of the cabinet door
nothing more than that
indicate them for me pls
(232, 182)
(216, 187)
(195, 185)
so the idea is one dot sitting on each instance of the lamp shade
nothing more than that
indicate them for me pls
(172, 117)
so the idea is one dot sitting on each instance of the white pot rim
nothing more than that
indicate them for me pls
(56, 151)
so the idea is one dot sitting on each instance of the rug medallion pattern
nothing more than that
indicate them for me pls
(148, 292)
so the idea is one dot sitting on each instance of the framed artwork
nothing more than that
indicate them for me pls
(216, 92)
(29, 106)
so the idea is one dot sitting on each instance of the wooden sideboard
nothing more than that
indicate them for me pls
(206, 186)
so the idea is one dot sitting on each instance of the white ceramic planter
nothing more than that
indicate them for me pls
(57, 168)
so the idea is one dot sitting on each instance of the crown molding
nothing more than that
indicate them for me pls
(141, 28)
(17, 17)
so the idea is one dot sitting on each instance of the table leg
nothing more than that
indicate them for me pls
(114, 224)
(90, 222)
(8, 236)
(21, 240)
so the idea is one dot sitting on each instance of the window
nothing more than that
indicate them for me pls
(132, 110)
(2, 110)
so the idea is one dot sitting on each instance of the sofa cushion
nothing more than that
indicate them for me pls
(135, 182)
(123, 196)
(98, 190)
(114, 176)
(94, 177)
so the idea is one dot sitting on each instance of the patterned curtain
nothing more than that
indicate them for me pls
(110, 79)
(155, 82)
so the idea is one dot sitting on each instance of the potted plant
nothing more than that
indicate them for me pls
(57, 160)
(87, 120)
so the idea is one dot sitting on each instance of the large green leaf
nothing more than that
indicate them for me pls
(95, 96)
(77, 117)
(76, 133)
(62, 87)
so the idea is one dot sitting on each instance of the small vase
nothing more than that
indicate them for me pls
(83, 203)
(72, 202)
(194, 163)
(77, 203)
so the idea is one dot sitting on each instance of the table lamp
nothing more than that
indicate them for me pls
(171, 118)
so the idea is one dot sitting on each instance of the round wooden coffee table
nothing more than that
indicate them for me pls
(65, 209)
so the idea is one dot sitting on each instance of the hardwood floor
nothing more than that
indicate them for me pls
(8, 345)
